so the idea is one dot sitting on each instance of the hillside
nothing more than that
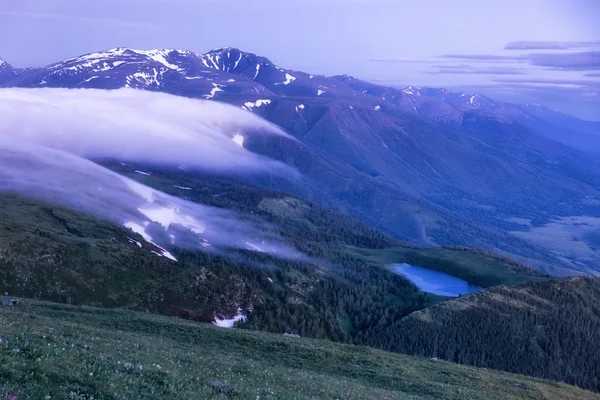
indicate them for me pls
(58, 351)
(545, 329)
(423, 164)
(50, 253)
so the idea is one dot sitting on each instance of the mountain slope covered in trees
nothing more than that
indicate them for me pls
(546, 329)
(50, 253)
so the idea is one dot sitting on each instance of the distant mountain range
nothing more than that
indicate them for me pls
(423, 164)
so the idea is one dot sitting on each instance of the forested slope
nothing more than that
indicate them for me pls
(547, 329)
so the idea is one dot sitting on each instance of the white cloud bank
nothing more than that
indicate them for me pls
(47, 134)
(134, 125)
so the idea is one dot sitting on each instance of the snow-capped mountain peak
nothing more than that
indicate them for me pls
(7, 72)
(232, 60)
(112, 58)
(413, 90)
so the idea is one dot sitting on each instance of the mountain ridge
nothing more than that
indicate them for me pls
(425, 164)
(228, 59)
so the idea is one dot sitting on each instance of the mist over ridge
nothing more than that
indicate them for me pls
(46, 136)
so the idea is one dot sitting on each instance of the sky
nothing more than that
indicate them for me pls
(537, 51)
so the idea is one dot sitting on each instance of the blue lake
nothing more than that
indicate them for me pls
(431, 281)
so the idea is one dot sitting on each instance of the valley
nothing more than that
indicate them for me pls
(424, 165)
(177, 224)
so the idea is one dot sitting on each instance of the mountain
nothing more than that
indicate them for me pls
(215, 74)
(566, 129)
(63, 351)
(51, 253)
(423, 164)
(546, 329)
(7, 72)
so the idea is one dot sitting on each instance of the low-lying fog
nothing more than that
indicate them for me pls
(47, 134)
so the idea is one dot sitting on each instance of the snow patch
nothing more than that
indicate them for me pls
(140, 230)
(238, 61)
(144, 78)
(183, 187)
(410, 90)
(239, 139)
(250, 105)
(257, 71)
(320, 92)
(228, 323)
(216, 88)
(288, 79)
(89, 79)
(133, 241)
(377, 108)
(158, 56)
(143, 173)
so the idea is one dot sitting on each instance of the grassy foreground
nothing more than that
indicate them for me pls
(52, 351)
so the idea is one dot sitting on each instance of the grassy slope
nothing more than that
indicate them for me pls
(69, 352)
(546, 329)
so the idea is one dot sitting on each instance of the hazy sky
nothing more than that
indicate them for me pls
(468, 44)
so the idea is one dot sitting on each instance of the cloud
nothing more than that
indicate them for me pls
(574, 61)
(552, 82)
(481, 57)
(407, 60)
(580, 61)
(470, 70)
(61, 178)
(82, 18)
(551, 45)
(137, 126)
(46, 133)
